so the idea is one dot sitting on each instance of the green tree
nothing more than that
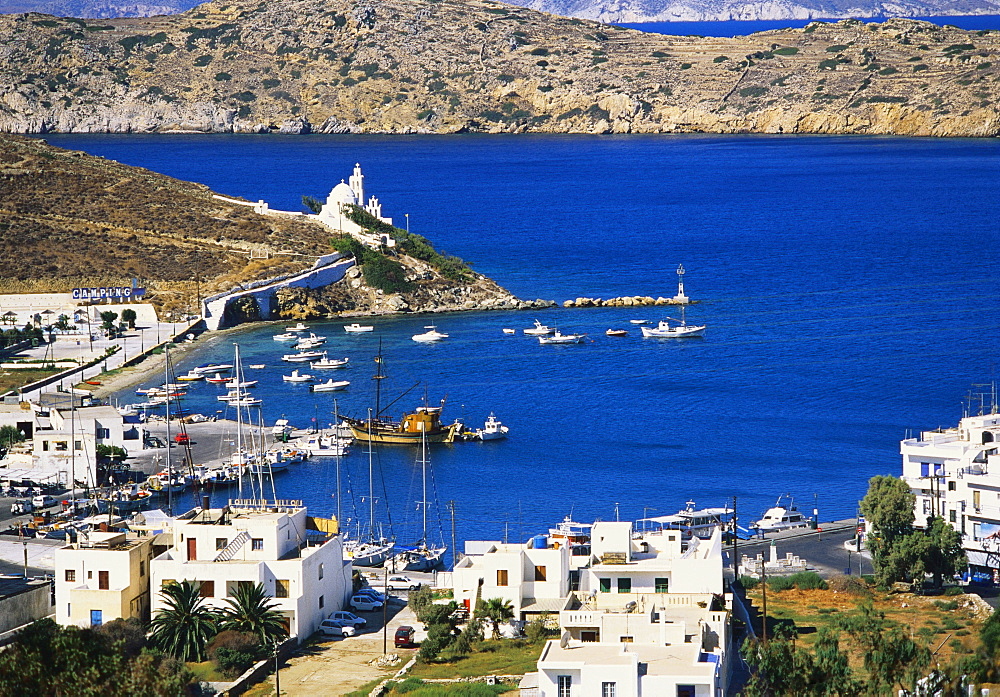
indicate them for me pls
(251, 611)
(62, 323)
(128, 317)
(498, 611)
(108, 321)
(185, 625)
(942, 554)
(888, 508)
(9, 435)
(312, 204)
(890, 657)
(777, 668)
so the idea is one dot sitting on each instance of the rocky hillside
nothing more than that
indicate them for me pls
(96, 8)
(69, 219)
(723, 10)
(445, 66)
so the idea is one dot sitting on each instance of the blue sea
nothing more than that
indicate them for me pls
(850, 286)
(745, 27)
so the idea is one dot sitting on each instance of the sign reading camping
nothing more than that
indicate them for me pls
(110, 293)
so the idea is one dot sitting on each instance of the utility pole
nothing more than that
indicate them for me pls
(385, 614)
(277, 676)
(736, 556)
(454, 548)
(763, 588)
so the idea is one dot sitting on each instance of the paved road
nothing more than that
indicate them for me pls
(824, 550)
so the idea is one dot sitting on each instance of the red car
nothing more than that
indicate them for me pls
(182, 439)
(404, 636)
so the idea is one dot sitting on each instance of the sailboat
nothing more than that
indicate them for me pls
(421, 556)
(423, 422)
(369, 550)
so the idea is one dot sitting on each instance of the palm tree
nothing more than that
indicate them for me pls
(250, 610)
(185, 626)
(498, 611)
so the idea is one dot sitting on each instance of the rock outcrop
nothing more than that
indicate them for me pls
(450, 66)
(431, 293)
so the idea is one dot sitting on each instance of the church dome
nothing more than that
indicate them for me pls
(342, 194)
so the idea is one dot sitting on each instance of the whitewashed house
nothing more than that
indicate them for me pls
(273, 543)
(955, 473)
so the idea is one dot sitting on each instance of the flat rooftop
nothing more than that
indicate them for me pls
(674, 659)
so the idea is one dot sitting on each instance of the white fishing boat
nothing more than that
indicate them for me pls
(330, 385)
(218, 379)
(191, 376)
(692, 522)
(296, 376)
(560, 338)
(309, 342)
(509, 331)
(281, 429)
(323, 445)
(429, 336)
(234, 385)
(256, 366)
(233, 395)
(329, 363)
(639, 321)
(539, 330)
(780, 517)
(286, 336)
(358, 328)
(246, 402)
(616, 332)
(679, 330)
(298, 327)
(301, 356)
(492, 429)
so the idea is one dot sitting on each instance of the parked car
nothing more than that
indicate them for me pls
(336, 628)
(349, 617)
(43, 501)
(182, 439)
(372, 593)
(21, 507)
(404, 583)
(404, 636)
(365, 603)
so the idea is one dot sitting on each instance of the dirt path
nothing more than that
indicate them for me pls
(339, 666)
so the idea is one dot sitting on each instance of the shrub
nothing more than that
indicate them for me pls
(749, 582)
(720, 59)
(946, 605)
(540, 52)
(848, 584)
(887, 71)
(538, 630)
(954, 590)
(780, 583)
(408, 685)
(239, 642)
(232, 662)
(685, 66)
(223, 77)
(807, 581)
(753, 91)
(202, 61)
(836, 48)
(420, 599)
(785, 51)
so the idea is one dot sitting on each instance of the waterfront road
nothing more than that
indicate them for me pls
(824, 550)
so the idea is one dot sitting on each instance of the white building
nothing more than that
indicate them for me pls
(103, 577)
(955, 473)
(534, 580)
(333, 213)
(272, 543)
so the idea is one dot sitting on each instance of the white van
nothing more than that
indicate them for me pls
(43, 501)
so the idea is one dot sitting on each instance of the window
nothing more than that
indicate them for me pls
(281, 588)
(321, 602)
(564, 683)
(952, 486)
(104, 433)
(605, 585)
(951, 517)
(608, 689)
(625, 639)
(90, 575)
(221, 543)
(70, 575)
(207, 589)
(257, 544)
(166, 582)
(589, 635)
(96, 618)
(78, 445)
(61, 445)
(142, 568)
(685, 691)
(103, 582)
(662, 585)
(539, 573)
(45, 445)
(501, 577)
(976, 500)
(624, 585)
(321, 571)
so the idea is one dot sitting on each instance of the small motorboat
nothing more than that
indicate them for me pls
(358, 328)
(92, 382)
(330, 385)
(287, 336)
(302, 356)
(429, 336)
(308, 342)
(256, 366)
(509, 331)
(298, 327)
(212, 368)
(492, 429)
(780, 517)
(218, 379)
(560, 338)
(246, 402)
(539, 330)
(233, 396)
(296, 376)
(617, 332)
(191, 376)
(281, 429)
(233, 385)
(320, 445)
(325, 362)
(639, 321)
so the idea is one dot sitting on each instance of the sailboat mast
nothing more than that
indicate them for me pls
(378, 378)
(371, 479)
(336, 431)
(239, 426)
(166, 379)
(423, 462)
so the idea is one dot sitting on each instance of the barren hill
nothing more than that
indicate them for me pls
(443, 66)
(69, 219)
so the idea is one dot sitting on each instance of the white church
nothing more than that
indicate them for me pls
(333, 213)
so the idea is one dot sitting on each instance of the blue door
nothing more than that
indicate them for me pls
(96, 618)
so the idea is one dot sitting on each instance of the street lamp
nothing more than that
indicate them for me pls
(277, 676)
(407, 223)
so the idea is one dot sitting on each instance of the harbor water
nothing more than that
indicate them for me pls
(849, 286)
